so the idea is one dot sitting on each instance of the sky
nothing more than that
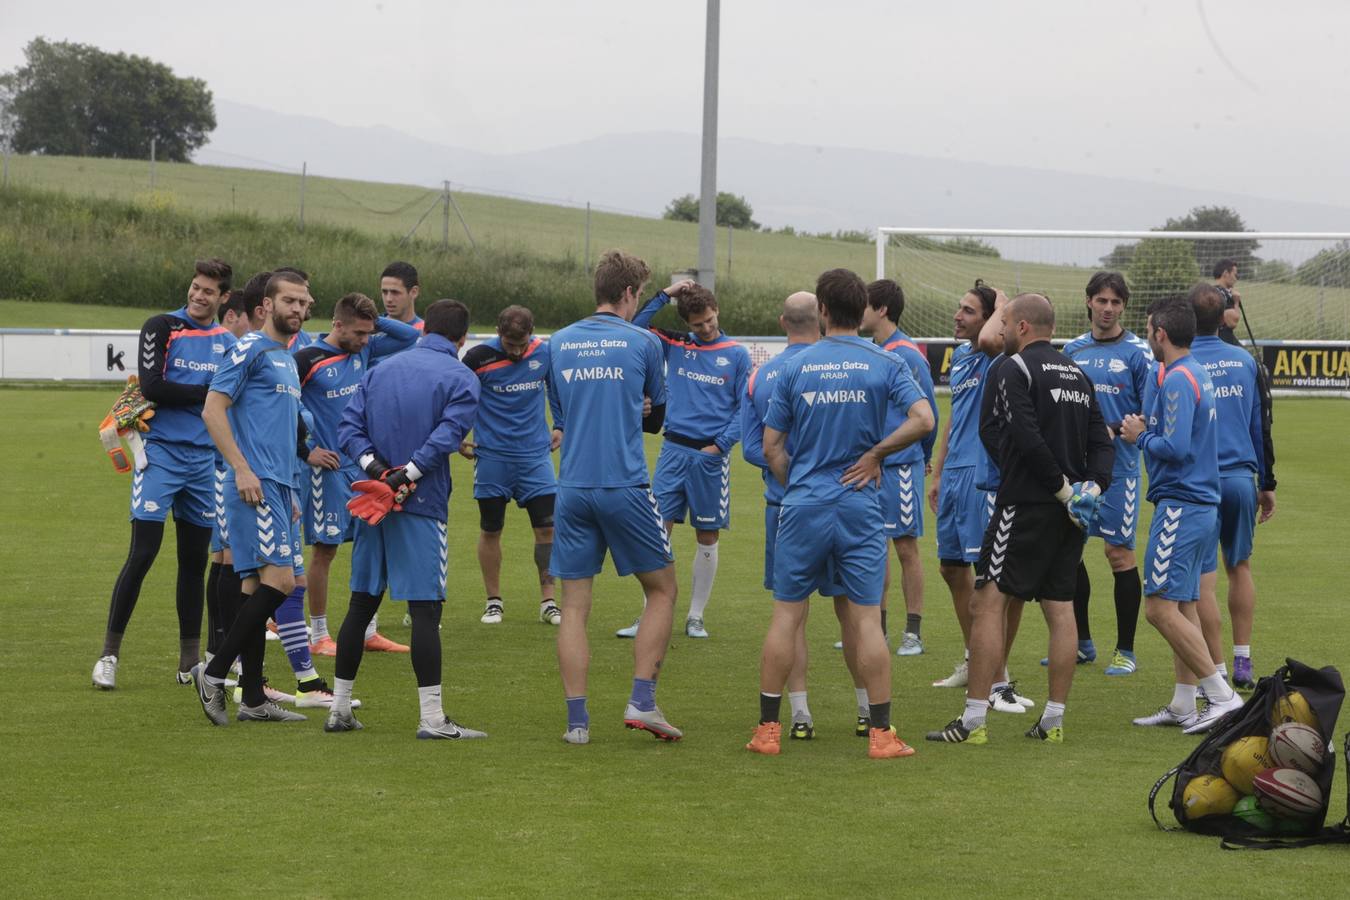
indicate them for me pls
(1233, 95)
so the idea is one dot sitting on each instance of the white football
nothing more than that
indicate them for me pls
(1294, 745)
(1287, 793)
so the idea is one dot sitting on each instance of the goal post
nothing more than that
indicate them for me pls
(1294, 286)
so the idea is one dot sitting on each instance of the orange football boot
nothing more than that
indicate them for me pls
(883, 743)
(378, 643)
(767, 739)
(324, 646)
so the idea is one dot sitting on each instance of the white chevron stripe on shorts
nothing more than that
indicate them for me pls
(442, 534)
(266, 533)
(998, 551)
(316, 497)
(660, 525)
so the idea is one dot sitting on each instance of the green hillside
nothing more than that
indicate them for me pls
(527, 252)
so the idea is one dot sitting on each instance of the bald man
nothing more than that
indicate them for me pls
(800, 321)
(1055, 456)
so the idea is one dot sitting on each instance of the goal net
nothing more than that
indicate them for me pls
(1294, 287)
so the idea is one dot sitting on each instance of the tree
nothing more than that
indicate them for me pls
(77, 100)
(732, 210)
(1207, 253)
(1161, 268)
(1329, 268)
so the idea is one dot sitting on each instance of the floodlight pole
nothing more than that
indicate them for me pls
(707, 203)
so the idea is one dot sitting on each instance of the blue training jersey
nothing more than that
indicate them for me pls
(511, 421)
(1238, 400)
(1181, 443)
(758, 392)
(601, 369)
(378, 352)
(177, 360)
(1119, 369)
(415, 408)
(904, 347)
(833, 402)
(329, 376)
(969, 369)
(705, 381)
(260, 379)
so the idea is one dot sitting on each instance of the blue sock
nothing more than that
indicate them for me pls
(577, 716)
(290, 619)
(644, 694)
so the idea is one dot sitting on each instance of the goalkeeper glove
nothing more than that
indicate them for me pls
(371, 502)
(401, 483)
(1084, 504)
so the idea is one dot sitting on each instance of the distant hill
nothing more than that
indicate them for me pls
(821, 187)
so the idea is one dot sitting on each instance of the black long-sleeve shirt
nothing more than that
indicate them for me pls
(1045, 426)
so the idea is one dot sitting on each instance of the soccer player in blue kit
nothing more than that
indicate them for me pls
(1118, 363)
(252, 413)
(403, 421)
(903, 475)
(510, 448)
(706, 374)
(962, 509)
(800, 321)
(1179, 440)
(603, 368)
(179, 353)
(1244, 465)
(330, 370)
(832, 405)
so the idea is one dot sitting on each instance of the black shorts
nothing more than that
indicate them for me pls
(1031, 551)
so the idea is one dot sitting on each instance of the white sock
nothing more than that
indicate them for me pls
(705, 570)
(800, 711)
(1222, 668)
(342, 695)
(967, 654)
(1183, 699)
(864, 708)
(370, 629)
(997, 685)
(306, 674)
(318, 626)
(975, 713)
(430, 700)
(1216, 688)
(1053, 715)
(1243, 650)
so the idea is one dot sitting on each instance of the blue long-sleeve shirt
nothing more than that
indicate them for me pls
(330, 375)
(1237, 396)
(1119, 369)
(1180, 445)
(705, 382)
(758, 392)
(904, 347)
(415, 408)
(177, 360)
(511, 422)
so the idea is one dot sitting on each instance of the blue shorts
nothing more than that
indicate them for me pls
(902, 500)
(325, 514)
(262, 535)
(1119, 514)
(520, 480)
(840, 546)
(691, 480)
(771, 513)
(1178, 544)
(220, 528)
(1236, 528)
(406, 553)
(624, 521)
(963, 514)
(177, 477)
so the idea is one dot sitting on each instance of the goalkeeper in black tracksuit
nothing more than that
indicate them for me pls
(1055, 455)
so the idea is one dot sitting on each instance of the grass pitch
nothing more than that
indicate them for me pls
(133, 793)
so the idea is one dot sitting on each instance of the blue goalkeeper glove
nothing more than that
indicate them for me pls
(1084, 504)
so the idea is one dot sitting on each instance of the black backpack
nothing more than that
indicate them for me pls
(1324, 691)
